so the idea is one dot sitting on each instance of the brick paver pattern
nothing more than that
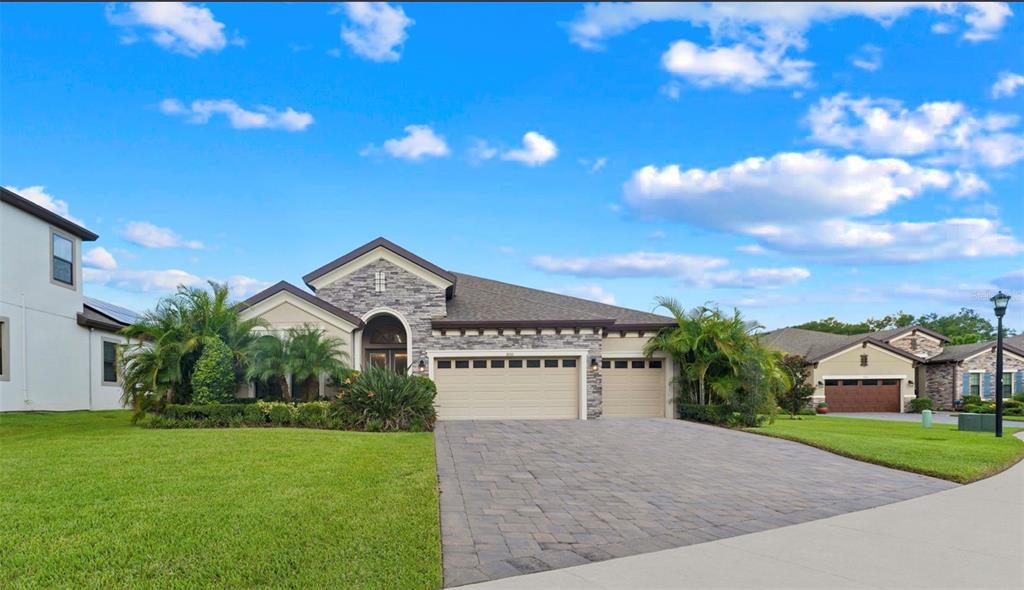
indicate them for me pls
(526, 496)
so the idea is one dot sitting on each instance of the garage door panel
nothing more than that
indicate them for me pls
(504, 392)
(863, 395)
(631, 391)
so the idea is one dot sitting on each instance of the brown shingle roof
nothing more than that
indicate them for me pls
(485, 302)
(960, 352)
(814, 346)
(308, 297)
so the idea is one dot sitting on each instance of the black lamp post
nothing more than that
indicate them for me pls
(999, 301)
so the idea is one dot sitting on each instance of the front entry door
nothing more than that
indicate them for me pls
(396, 359)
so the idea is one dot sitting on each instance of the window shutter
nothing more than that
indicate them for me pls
(965, 390)
(1018, 386)
(986, 385)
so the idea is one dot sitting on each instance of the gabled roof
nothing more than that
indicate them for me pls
(369, 247)
(105, 316)
(815, 346)
(19, 202)
(481, 303)
(959, 352)
(887, 335)
(286, 287)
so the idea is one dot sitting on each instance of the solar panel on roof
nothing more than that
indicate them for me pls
(121, 314)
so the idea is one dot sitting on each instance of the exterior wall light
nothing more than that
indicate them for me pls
(595, 365)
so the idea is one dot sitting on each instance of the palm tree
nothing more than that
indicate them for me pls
(304, 353)
(168, 340)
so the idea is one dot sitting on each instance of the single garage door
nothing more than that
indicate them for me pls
(862, 395)
(507, 388)
(633, 387)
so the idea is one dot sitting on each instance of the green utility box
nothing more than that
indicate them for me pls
(976, 422)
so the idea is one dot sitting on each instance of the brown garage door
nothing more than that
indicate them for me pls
(862, 395)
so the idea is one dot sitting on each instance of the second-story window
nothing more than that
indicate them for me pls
(380, 281)
(63, 260)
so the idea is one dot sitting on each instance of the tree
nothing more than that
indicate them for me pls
(165, 344)
(213, 380)
(964, 327)
(899, 319)
(798, 394)
(303, 353)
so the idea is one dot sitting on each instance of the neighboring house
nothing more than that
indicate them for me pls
(57, 347)
(495, 350)
(970, 369)
(875, 372)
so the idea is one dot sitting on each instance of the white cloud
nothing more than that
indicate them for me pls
(957, 294)
(869, 58)
(890, 242)
(38, 195)
(591, 292)
(537, 150)
(656, 235)
(481, 151)
(376, 31)
(696, 270)
(147, 235)
(99, 258)
(419, 142)
(241, 287)
(160, 281)
(181, 27)
(593, 164)
(772, 20)
(766, 32)
(969, 184)
(1007, 84)
(672, 89)
(947, 131)
(786, 187)
(751, 249)
(739, 66)
(201, 111)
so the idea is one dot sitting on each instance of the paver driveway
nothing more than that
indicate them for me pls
(526, 496)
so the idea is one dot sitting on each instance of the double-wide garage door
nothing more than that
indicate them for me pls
(863, 395)
(507, 388)
(524, 388)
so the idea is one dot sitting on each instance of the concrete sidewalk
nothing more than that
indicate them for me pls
(967, 537)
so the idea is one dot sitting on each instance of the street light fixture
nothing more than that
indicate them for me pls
(999, 301)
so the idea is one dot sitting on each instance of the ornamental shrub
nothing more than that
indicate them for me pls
(708, 414)
(382, 400)
(312, 415)
(919, 404)
(213, 379)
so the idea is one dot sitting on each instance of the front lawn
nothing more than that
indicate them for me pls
(939, 451)
(87, 500)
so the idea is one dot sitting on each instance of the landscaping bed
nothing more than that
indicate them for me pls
(89, 501)
(940, 451)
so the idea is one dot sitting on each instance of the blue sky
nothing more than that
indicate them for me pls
(797, 161)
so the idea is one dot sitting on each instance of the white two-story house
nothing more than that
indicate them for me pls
(57, 347)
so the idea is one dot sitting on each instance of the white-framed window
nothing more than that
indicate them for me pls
(1007, 384)
(109, 363)
(974, 384)
(380, 281)
(62, 260)
(5, 349)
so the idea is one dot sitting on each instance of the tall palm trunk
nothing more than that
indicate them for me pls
(285, 392)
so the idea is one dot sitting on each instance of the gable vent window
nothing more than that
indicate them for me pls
(863, 360)
(380, 281)
(913, 344)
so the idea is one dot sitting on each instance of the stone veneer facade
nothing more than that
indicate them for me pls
(919, 346)
(419, 302)
(945, 380)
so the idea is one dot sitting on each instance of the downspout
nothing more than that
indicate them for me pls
(90, 368)
(24, 350)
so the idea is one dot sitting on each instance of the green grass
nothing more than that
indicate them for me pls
(939, 451)
(87, 500)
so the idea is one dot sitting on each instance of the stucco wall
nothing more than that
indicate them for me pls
(49, 359)
(881, 364)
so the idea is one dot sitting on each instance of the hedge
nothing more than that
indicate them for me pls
(709, 414)
(261, 414)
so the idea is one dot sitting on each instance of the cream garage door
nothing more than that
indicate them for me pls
(507, 388)
(633, 387)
